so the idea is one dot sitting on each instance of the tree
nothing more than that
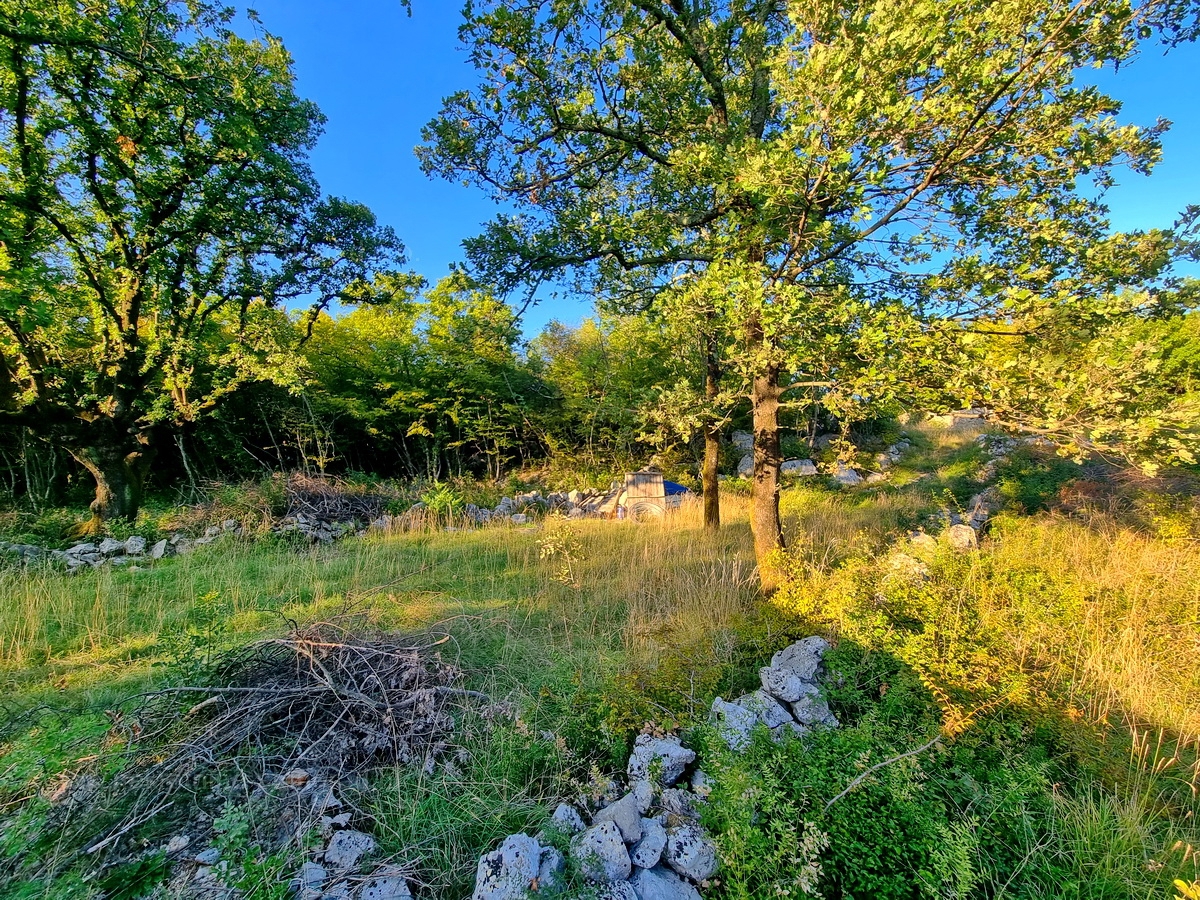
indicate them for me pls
(920, 157)
(157, 207)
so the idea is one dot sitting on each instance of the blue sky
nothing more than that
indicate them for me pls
(379, 75)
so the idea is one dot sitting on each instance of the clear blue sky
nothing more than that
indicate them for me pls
(379, 75)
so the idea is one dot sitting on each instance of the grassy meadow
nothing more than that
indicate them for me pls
(1056, 672)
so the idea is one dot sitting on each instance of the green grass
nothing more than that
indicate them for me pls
(1060, 661)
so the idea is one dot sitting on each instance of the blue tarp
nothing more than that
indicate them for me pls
(672, 488)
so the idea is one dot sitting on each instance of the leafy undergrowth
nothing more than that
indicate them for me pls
(1052, 674)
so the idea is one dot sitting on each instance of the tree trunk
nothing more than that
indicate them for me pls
(765, 524)
(709, 484)
(120, 475)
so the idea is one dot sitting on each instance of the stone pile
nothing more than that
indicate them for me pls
(316, 529)
(789, 703)
(644, 840)
(113, 552)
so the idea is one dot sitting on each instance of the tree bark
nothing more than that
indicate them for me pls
(765, 523)
(709, 484)
(120, 475)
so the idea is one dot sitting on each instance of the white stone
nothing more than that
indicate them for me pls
(799, 467)
(109, 546)
(135, 545)
(803, 658)
(601, 854)
(743, 440)
(625, 815)
(346, 848)
(845, 475)
(567, 819)
(643, 792)
(621, 890)
(519, 519)
(662, 758)
(734, 723)
(811, 709)
(648, 851)
(679, 806)
(507, 873)
(745, 466)
(389, 887)
(782, 684)
(551, 867)
(691, 853)
(159, 550)
(311, 877)
(662, 884)
(765, 708)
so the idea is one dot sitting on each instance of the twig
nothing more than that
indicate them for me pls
(887, 762)
(100, 845)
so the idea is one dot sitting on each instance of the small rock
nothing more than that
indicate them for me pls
(311, 877)
(346, 848)
(566, 819)
(734, 723)
(625, 815)
(961, 538)
(661, 758)
(601, 854)
(800, 467)
(742, 440)
(922, 542)
(648, 851)
(159, 550)
(846, 476)
(745, 466)
(782, 684)
(212, 531)
(906, 568)
(389, 887)
(701, 784)
(508, 872)
(811, 709)
(110, 546)
(177, 844)
(208, 857)
(691, 853)
(662, 884)
(679, 806)
(765, 709)
(135, 545)
(803, 658)
(519, 519)
(643, 792)
(551, 867)
(787, 731)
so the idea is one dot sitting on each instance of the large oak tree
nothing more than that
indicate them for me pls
(156, 211)
(933, 159)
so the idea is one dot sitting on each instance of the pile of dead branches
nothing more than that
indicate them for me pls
(316, 699)
(331, 500)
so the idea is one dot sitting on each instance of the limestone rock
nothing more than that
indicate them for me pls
(648, 851)
(601, 854)
(625, 815)
(662, 884)
(662, 758)
(691, 853)
(743, 440)
(765, 708)
(388, 887)
(519, 519)
(745, 466)
(135, 545)
(643, 792)
(621, 890)
(961, 538)
(508, 872)
(803, 658)
(566, 819)
(551, 867)
(679, 806)
(311, 877)
(800, 467)
(734, 723)
(811, 709)
(346, 848)
(111, 546)
(701, 784)
(782, 684)
(159, 550)
(844, 475)
(787, 731)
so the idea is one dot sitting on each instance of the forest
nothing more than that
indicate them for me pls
(325, 577)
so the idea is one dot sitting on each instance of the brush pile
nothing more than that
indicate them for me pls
(317, 698)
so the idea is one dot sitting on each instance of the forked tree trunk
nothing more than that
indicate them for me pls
(765, 524)
(120, 476)
(709, 483)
